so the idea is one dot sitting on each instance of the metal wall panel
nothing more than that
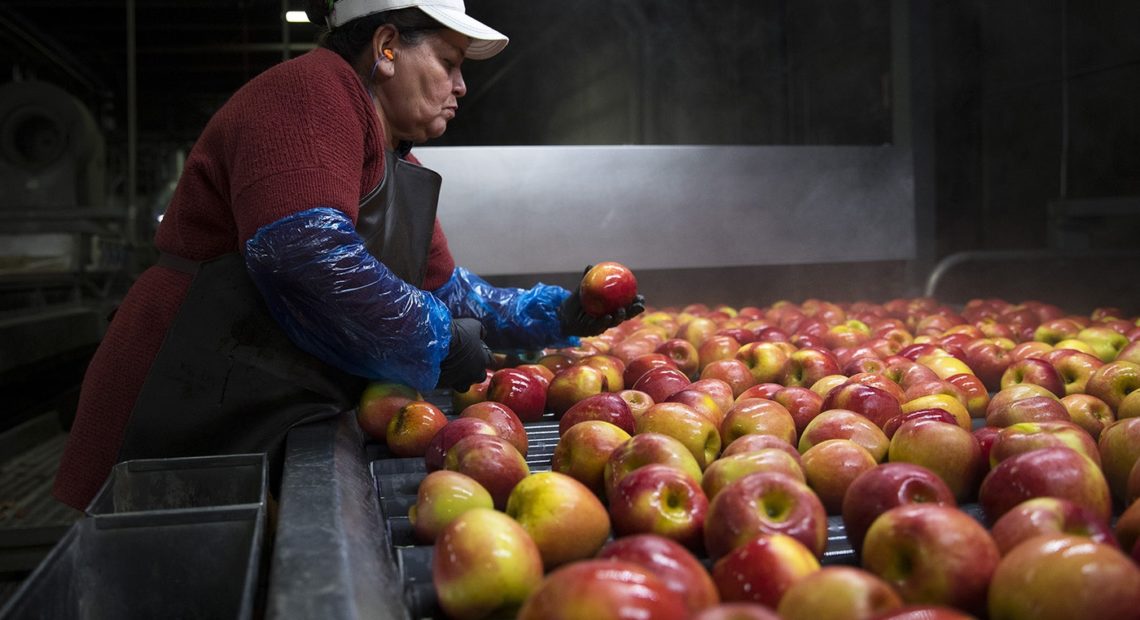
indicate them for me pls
(555, 209)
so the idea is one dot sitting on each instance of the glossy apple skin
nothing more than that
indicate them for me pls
(484, 562)
(635, 368)
(730, 468)
(477, 393)
(923, 612)
(1127, 529)
(1113, 382)
(888, 486)
(683, 353)
(700, 401)
(831, 466)
(564, 518)
(646, 448)
(573, 385)
(698, 433)
(946, 449)
(583, 451)
(765, 360)
(678, 567)
(762, 569)
(661, 500)
(807, 365)
(1063, 577)
(988, 360)
(749, 443)
(449, 435)
(838, 593)
(733, 372)
(719, 390)
(765, 503)
(757, 416)
(1049, 515)
(492, 461)
(603, 590)
(410, 431)
(606, 406)
(1055, 472)
(845, 424)
(379, 402)
(506, 423)
(1119, 447)
(524, 393)
(1105, 341)
(662, 382)
(932, 554)
(737, 611)
(1089, 412)
(1019, 403)
(606, 288)
(977, 396)
(1026, 436)
(1075, 368)
(1034, 370)
(440, 498)
(873, 403)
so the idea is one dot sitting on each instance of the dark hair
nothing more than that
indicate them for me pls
(350, 39)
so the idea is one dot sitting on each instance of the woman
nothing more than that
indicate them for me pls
(301, 257)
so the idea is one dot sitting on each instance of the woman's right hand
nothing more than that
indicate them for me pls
(467, 357)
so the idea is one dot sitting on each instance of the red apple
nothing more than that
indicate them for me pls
(1049, 515)
(986, 436)
(765, 360)
(573, 385)
(522, 391)
(1026, 436)
(1055, 472)
(1113, 382)
(603, 590)
(684, 355)
(492, 461)
(540, 372)
(379, 403)
(872, 403)
(720, 391)
(697, 432)
(977, 396)
(613, 369)
(638, 366)
(1127, 528)
(506, 423)
(477, 393)
(1119, 447)
(662, 382)
(730, 468)
(1088, 412)
(681, 571)
(564, 518)
(946, 449)
(731, 371)
(838, 593)
(702, 402)
(884, 383)
(947, 402)
(762, 390)
(1074, 368)
(606, 288)
(845, 424)
(932, 554)
(412, 428)
(1030, 409)
(1033, 370)
(605, 406)
(988, 360)
(750, 443)
(933, 413)
(448, 435)
(807, 365)
(766, 502)
(716, 347)
(639, 402)
(662, 500)
(646, 448)
(737, 611)
(583, 451)
(763, 568)
(440, 498)
(757, 416)
(801, 402)
(830, 467)
(885, 487)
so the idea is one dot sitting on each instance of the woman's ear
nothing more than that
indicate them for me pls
(384, 39)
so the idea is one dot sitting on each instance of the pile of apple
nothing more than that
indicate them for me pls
(983, 461)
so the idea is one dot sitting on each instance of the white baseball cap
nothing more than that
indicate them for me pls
(485, 41)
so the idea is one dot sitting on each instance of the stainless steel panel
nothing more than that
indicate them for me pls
(555, 209)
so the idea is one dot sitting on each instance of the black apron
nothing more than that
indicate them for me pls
(227, 379)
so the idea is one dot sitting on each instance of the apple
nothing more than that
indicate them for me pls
(1132, 488)
(886, 384)
(863, 363)
(801, 402)
(728, 469)
(907, 372)
(477, 393)
(605, 406)
(948, 450)
(807, 365)
(573, 385)
(556, 361)
(440, 498)
(564, 518)
(638, 366)
(662, 500)
(645, 448)
(412, 427)
(765, 360)
(684, 355)
(1026, 436)
(838, 593)
(845, 424)
(887, 486)
(720, 391)
(986, 436)
(544, 374)
(849, 333)
(1055, 472)
(1119, 447)
(1056, 330)
(448, 435)
(639, 402)
(606, 288)
(1105, 341)
(1131, 351)
(931, 413)
(750, 443)
(612, 368)
(737, 611)
(1127, 528)
(932, 554)
(763, 568)
(681, 571)
(1033, 370)
(824, 386)
(766, 502)
(1113, 382)
(830, 467)
(716, 347)
(697, 329)
(379, 403)
(945, 366)
(700, 401)
(603, 589)
(873, 403)
(1088, 412)
(583, 451)
(988, 360)
(1074, 368)
(1062, 577)
(1030, 409)
(697, 432)
(484, 562)
(492, 461)
(757, 416)
(507, 424)
(762, 390)
(1029, 349)
(1049, 515)
(731, 371)
(946, 402)
(662, 382)
(522, 391)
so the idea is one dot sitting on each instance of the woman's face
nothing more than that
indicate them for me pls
(423, 90)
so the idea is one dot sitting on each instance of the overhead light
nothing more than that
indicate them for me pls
(296, 17)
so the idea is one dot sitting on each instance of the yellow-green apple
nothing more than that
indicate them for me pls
(583, 451)
(731, 371)
(379, 402)
(948, 450)
(700, 401)
(801, 402)
(1119, 447)
(638, 366)
(606, 288)
(887, 486)
(677, 566)
(824, 386)
(484, 563)
(945, 366)
(763, 568)
(662, 382)
(492, 461)
(1113, 382)
(720, 391)
(506, 423)
(697, 432)
(605, 406)
(728, 469)
(766, 502)
(412, 427)
(1034, 370)
(757, 416)
(1063, 577)
(697, 329)
(441, 497)
(683, 353)
(932, 554)
(572, 385)
(749, 443)
(765, 360)
(807, 365)
(845, 424)
(474, 394)
(838, 593)
(522, 391)
(1028, 409)
(612, 368)
(662, 319)
(1105, 341)
(1056, 330)
(1089, 412)
(448, 435)
(1077, 345)
(830, 467)
(716, 347)
(1049, 515)
(639, 402)
(873, 403)
(603, 589)
(987, 359)
(1129, 406)
(1052, 472)
(564, 518)
(1074, 368)
(645, 448)
(737, 611)
(1026, 436)
(932, 388)
(662, 500)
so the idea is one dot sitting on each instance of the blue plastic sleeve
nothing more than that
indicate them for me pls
(514, 318)
(340, 304)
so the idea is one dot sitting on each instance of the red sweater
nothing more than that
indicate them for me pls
(301, 135)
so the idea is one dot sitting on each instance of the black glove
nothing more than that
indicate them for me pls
(467, 356)
(575, 321)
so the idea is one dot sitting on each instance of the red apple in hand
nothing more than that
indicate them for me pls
(1049, 515)
(564, 518)
(673, 563)
(606, 288)
(765, 503)
(763, 568)
(887, 486)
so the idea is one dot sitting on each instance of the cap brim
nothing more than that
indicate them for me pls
(485, 40)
